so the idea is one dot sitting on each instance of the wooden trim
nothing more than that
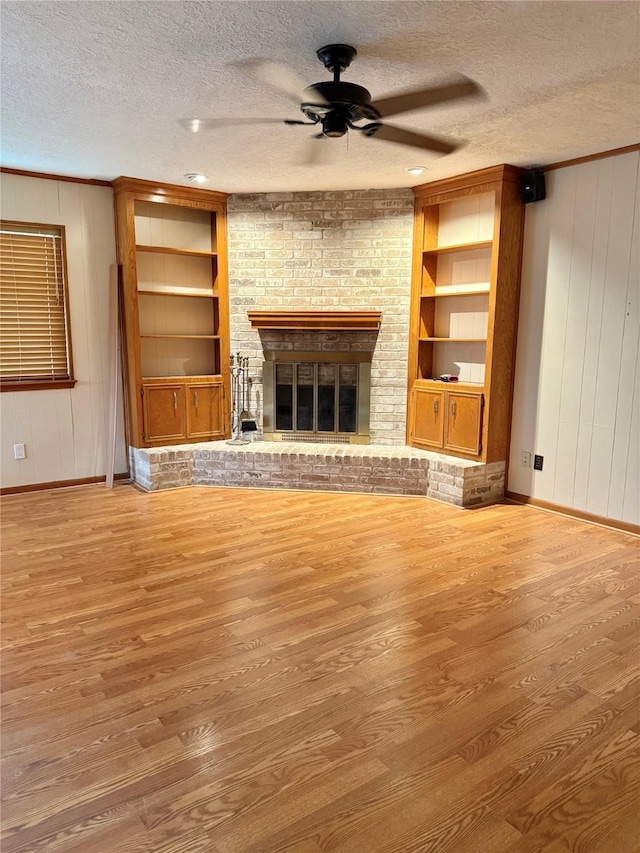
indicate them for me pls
(50, 177)
(114, 343)
(37, 385)
(614, 152)
(625, 526)
(439, 385)
(208, 379)
(153, 188)
(469, 181)
(58, 484)
(320, 320)
(67, 305)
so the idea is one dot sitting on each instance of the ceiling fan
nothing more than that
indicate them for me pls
(338, 107)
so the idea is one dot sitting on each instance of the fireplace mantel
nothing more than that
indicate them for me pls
(324, 321)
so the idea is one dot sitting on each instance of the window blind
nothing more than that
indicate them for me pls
(34, 341)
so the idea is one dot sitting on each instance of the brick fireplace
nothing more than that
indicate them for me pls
(321, 252)
(326, 251)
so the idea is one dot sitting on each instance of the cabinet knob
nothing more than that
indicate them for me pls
(195, 399)
(453, 408)
(435, 406)
(175, 400)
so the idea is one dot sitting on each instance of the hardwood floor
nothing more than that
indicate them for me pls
(235, 671)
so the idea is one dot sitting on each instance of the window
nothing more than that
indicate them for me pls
(35, 343)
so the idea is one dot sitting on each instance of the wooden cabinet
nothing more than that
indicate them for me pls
(465, 288)
(427, 424)
(205, 417)
(178, 412)
(449, 421)
(464, 420)
(164, 413)
(172, 250)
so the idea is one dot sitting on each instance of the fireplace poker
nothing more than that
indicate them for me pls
(237, 367)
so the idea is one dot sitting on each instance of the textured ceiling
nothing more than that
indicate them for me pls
(97, 89)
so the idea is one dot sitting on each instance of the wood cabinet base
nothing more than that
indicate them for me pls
(180, 411)
(449, 421)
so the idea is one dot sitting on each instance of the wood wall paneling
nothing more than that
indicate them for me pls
(577, 375)
(64, 430)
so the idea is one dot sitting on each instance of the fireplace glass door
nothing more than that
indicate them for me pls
(314, 397)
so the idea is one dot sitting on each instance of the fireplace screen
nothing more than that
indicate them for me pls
(324, 399)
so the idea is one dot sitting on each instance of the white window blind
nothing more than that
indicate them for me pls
(34, 338)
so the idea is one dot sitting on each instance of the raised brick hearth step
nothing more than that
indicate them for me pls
(369, 468)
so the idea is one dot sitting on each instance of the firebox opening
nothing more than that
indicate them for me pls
(317, 397)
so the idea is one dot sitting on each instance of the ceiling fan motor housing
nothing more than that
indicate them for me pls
(349, 99)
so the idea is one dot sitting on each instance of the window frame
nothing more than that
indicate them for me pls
(41, 384)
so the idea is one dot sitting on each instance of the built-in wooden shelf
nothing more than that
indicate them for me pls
(460, 386)
(455, 340)
(461, 247)
(478, 291)
(363, 321)
(194, 337)
(170, 250)
(209, 295)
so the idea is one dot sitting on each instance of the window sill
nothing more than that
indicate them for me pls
(37, 385)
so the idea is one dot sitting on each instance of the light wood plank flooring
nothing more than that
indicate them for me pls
(235, 671)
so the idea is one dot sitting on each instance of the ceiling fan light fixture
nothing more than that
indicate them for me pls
(415, 170)
(334, 124)
(196, 178)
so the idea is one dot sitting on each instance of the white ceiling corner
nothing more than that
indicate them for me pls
(97, 89)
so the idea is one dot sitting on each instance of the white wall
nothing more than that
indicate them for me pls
(64, 429)
(577, 385)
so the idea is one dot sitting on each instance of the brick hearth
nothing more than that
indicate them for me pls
(320, 467)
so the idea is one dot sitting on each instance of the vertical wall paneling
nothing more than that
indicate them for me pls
(81, 301)
(575, 333)
(587, 383)
(608, 378)
(631, 499)
(577, 374)
(64, 430)
(558, 273)
(624, 492)
(526, 394)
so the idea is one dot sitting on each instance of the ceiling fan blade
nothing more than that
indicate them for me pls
(315, 150)
(195, 125)
(389, 133)
(415, 99)
(282, 78)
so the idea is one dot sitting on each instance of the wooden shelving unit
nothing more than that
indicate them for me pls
(172, 250)
(466, 277)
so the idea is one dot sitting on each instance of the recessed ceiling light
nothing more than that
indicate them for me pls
(195, 178)
(415, 170)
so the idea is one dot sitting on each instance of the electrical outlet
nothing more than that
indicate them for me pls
(19, 452)
(525, 459)
(537, 462)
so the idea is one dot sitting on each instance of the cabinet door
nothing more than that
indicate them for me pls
(204, 411)
(427, 426)
(164, 412)
(464, 422)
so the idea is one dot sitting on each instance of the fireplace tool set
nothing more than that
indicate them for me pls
(241, 421)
